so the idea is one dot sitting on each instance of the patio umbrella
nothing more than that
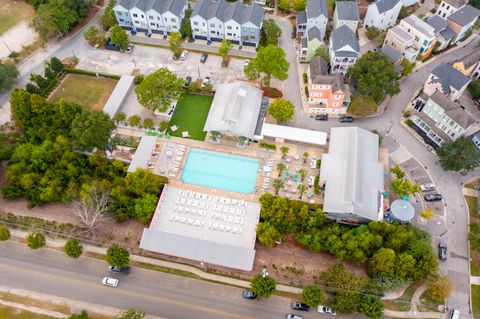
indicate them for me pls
(295, 177)
(167, 135)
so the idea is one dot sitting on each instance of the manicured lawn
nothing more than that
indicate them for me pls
(14, 313)
(87, 91)
(474, 262)
(12, 12)
(472, 203)
(190, 115)
(476, 300)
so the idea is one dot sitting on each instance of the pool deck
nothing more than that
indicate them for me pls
(253, 150)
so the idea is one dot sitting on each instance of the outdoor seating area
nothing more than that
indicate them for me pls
(267, 174)
(170, 160)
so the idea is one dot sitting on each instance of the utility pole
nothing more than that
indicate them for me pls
(7, 47)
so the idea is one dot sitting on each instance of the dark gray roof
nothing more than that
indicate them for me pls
(465, 15)
(447, 34)
(225, 11)
(301, 17)
(385, 5)
(391, 53)
(431, 123)
(175, 6)
(319, 75)
(448, 77)
(438, 23)
(342, 37)
(304, 42)
(316, 8)
(453, 110)
(347, 10)
(470, 59)
(127, 4)
(456, 3)
(313, 33)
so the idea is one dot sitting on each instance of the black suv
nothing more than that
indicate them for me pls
(204, 58)
(432, 197)
(119, 270)
(321, 117)
(297, 305)
(442, 252)
(346, 119)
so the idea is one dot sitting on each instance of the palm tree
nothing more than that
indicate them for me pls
(301, 190)
(305, 157)
(284, 151)
(303, 173)
(215, 136)
(277, 184)
(280, 168)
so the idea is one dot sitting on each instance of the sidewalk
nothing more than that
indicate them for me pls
(59, 243)
(413, 313)
(469, 192)
(474, 280)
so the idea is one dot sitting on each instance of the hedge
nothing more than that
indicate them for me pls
(86, 72)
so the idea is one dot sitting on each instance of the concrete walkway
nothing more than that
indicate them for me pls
(475, 280)
(59, 243)
(469, 192)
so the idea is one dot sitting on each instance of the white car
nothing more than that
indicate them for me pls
(184, 55)
(206, 81)
(427, 187)
(247, 62)
(326, 310)
(109, 281)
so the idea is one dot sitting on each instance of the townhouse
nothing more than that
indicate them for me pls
(447, 80)
(312, 26)
(441, 121)
(152, 16)
(469, 65)
(462, 20)
(444, 34)
(346, 13)
(217, 20)
(382, 14)
(447, 7)
(343, 49)
(327, 94)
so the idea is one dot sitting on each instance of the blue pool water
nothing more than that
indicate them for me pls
(222, 171)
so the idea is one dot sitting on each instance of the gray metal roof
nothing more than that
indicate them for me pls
(385, 5)
(470, 60)
(301, 17)
(127, 4)
(447, 33)
(402, 34)
(453, 110)
(342, 37)
(433, 126)
(235, 109)
(314, 33)
(456, 3)
(448, 77)
(402, 210)
(465, 15)
(225, 11)
(143, 153)
(347, 10)
(316, 8)
(420, 25)
(116, 99)
(352, 174)
(437, 22)
(319, 75)
(392, 54)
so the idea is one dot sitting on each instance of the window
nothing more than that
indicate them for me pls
(335, 104)
(197, 30)
(143, 16)
(253, 30)
(229, 27)
(135, 15)
(174, 20)
(425, 42)
(219, 26)
(229, 34)
(203, 23)
(150, 17)
(195, 23)
(448, 7)
(166, 19)
(152, 23)
(158, 18)
(121, 20)
(337, 97)
(212, 32)
(443, 4)
(136, 22)
(237, 28)
(212, 25)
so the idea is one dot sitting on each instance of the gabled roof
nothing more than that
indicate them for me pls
(341, 39)
(225, 11)
(391, 53)
(437, 22)
(319, 75)
(316, 8)
(470, 59)
(448, 77)
(314, 33)
(385, 5)
(456, 3)
(453, 110)
(347, 10)
(301, 17)
(127, 4)
(465, 15)
(420, 25)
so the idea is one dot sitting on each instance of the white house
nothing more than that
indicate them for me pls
(447, 7)
(444, 34)
(382, 14)
(317, 16)
(344, 49)
(346, 13)
(447, 80)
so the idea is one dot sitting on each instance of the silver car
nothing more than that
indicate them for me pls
(109, 281)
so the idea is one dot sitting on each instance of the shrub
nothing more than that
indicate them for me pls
(270, 147)
(139, 78)
(409, 122)
(134, 120)
(73, 248)
(316, 187)
(372, 33)
(306, 92)
(120, 117)
(305, 78)
(407, 113)
(164, 125)
(85, 72)
(4, 233)
(147, 123)
(36, 240)
(118, 256)
(312, 295)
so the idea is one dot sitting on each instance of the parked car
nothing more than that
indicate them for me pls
(109, 281)
(432, 197)
(377, 49)
(297, 305)
(321, 117)
(442, 251)
(427, 187)
(188, 80)
(346, 119)
(206, 81)
(248, 294)
(247, 62)
(130, 48)
(183, 55)
(326, 310)
(119, 270)
(203, 58)
(109, 45)
(292, 316)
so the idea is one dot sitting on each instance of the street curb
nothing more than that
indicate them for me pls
(469, 258)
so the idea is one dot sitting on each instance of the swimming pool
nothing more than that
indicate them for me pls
(220, 170)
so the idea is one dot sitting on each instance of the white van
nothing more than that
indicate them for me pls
(455, 314)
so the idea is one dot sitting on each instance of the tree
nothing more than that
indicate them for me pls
(428, 213)
(280, 168)
(108, 20)
(175, 43)
(312, 295)
(285, 5)
(382, 262)
(4, 233)
(158, 89)
(91, 129)
(131, 314)
(375, 75)
(185, 26)
(118, 256)
(299, 5)
(54, 18)
(263, 286)
(372, 307)
(8, 75)
(323, 53)
(270, 61)
(459, 155)
(267, 234)
(224, 49)
(407, 65)
(305, 157)
(91, 33)
(284, 150)
(271, 32)
(56, 65)
(303, 172)
(277, 184)
(301, 190)
(398, 171)
(82, 315)
(439, 288)
(282, 110)
(405, 187)
(474, 87)
(147, 123)
(35, 240)
(362, 105)
(134, 120)
(119, 36)
(92, 210)
(120, 117)
(372, 33)
(405, 265)
(73, 248)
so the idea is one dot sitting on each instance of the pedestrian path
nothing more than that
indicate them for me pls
(475, 280)
(469, 192)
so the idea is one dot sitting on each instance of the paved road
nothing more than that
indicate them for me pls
(50, 272)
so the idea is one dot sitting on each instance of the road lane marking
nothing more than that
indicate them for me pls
(126, 292)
